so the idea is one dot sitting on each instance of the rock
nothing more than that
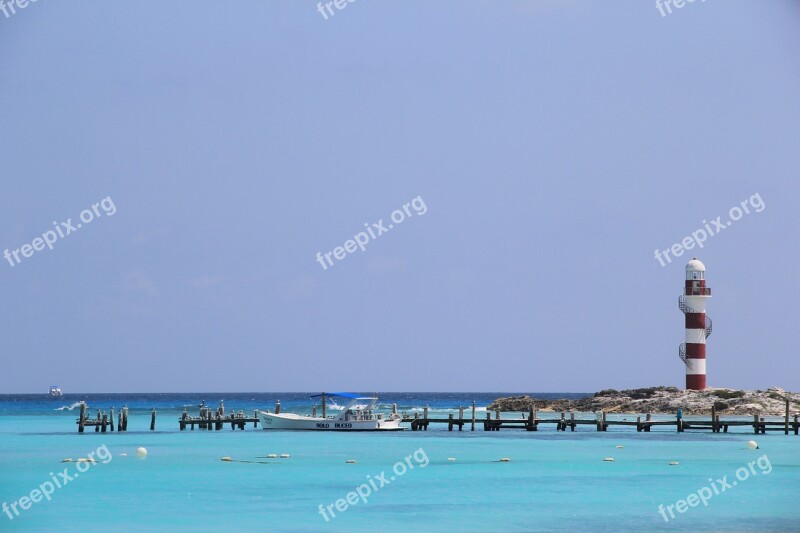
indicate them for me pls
(607, 392)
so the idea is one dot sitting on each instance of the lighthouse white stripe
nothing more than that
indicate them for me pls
(696, 336)
(697, 303)
(695, 366)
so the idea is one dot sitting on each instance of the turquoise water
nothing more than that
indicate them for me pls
(554, 481)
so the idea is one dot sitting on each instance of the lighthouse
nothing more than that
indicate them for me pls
(698, 326)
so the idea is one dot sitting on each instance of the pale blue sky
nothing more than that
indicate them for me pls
(555, 144)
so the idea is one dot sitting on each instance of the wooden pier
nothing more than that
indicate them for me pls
(104, 422)
(532, 421)
(217, 419)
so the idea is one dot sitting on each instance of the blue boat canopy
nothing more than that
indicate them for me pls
(340, 394)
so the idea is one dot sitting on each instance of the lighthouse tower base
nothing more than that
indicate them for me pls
(695, 382)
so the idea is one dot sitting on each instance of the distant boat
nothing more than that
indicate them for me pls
(355, 415)
(55, 392)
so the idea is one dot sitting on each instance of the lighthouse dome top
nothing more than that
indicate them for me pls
(695, 265)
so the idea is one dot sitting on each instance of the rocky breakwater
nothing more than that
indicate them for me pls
(667, 400)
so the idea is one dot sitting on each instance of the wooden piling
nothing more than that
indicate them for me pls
(714, 419)
(786, 420)
(460, 417)
(153, 420)
(450, 422)
(82, 418)
(531, 425)
(125, 418)
(473, 416)
(425, 418)
(111, 420)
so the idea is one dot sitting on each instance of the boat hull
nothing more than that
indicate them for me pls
(294, 422)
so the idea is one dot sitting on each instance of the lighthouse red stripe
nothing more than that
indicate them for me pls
(695, 320)
(695, 351)
(695, 381)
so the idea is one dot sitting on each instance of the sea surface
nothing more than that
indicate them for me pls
(418, 481)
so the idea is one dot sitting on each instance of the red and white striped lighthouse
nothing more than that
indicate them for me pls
(698, 326)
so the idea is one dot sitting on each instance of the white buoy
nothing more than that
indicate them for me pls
(272, 456)
(284, 456)
(504, 459)
(608, 459)
(451, 459)
(226, 459)
(123, 455)
(753, 445)
(351, 461)
(620, 446)
(141, 452)
(673, 463)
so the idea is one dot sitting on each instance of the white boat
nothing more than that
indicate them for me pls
(357, 414)
(55, 392)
